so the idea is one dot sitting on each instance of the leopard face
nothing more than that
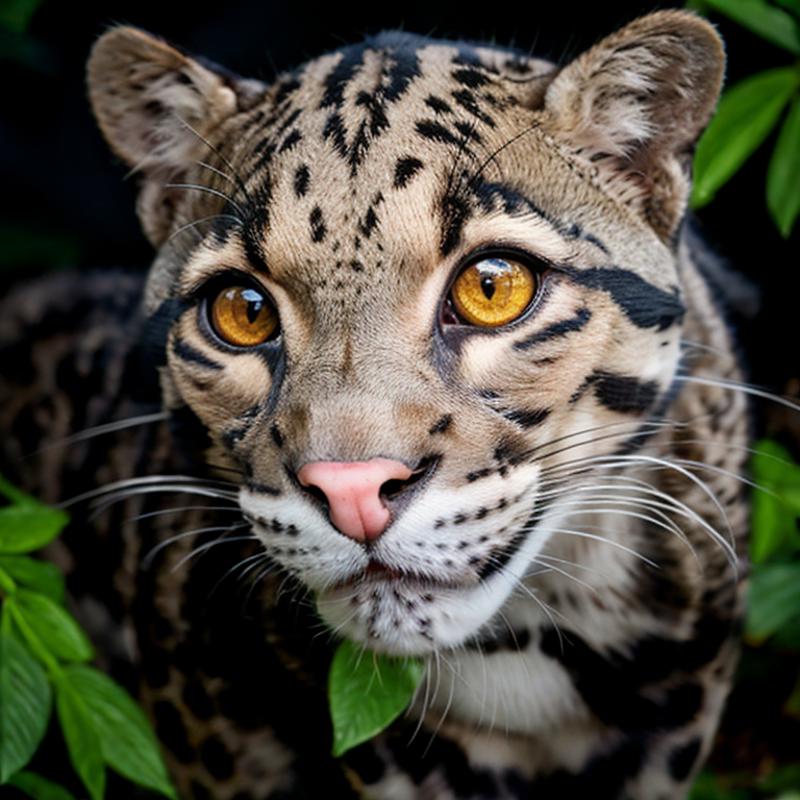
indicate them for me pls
(317, 241)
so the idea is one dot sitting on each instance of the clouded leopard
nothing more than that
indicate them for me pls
(426, 359)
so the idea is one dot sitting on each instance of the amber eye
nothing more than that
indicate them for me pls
(243, 316)
(493, 292)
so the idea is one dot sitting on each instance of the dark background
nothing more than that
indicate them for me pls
(65, 201)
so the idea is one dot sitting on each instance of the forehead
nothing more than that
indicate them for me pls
(372, 132)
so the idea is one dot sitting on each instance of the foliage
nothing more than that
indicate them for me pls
(43, 655)
(752, 109)
(367, 692)
(772, 630)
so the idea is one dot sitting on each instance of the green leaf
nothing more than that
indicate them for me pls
(783, 174)
(366, 692)
(54, 626)
(746, 114)
(126, 739)
(774, 599)
(28, 527)
(24, 704)
(767, 21)
(39, 788)
(41, 576)
(16, 14)
(83, 741)
(776, 503)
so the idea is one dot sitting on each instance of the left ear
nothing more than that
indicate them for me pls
(635, 104)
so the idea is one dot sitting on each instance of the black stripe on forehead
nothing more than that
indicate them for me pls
(644, 304)
(370, 120)
(255, 226)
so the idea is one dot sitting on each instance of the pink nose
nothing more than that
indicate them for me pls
(352, 490)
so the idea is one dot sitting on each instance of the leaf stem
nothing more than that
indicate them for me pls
(33, 641)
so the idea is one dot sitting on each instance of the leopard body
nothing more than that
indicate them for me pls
(571, 563)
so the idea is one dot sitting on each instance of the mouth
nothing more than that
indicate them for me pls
(377, 572)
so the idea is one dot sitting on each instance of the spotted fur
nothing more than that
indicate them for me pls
(568, 561)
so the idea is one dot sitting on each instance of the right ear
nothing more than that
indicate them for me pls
(155, 106)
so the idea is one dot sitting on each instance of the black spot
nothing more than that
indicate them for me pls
(290, 141)
(186, 352)
(624, 393)
(318, 229)
(436, 132)
(216, 759)
(405, 169)
(197, 700)
(682, 759)
(356, 266)
(263, 488)
(276, 435)
(301, 177)
(441, 425)
(477, 475)
(467, 101)
(470, 77)
(455, 212)
(437, 105)
(526, 418)
(369, 223)
(604, 776)
(172, 732)
(502, 555)
(366, 763)
(645, 305)
(557, 329)
(468, 131)
(610, 684)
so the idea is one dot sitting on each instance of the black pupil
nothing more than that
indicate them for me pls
(255, 302)
(487, 286)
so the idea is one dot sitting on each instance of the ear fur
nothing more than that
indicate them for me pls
(635, 104)
(155, 105)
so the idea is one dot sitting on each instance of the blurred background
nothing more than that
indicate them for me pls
(65, 203)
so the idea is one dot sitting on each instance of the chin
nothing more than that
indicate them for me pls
(412, 617)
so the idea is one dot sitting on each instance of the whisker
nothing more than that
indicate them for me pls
(101, 430)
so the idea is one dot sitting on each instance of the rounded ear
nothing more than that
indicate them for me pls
(635, 104)
(155, 107)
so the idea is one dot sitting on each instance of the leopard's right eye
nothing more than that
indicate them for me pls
(243, 316)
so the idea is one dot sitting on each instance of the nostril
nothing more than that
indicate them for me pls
(391, 490)
(316, 493)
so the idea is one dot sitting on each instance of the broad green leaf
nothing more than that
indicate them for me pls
(28, 527)
(783, 174)
(776, 503)
(126, 739)
(54, 626)
(774, 599)
(24, 704)
(746, 114)
(83, 741)
(366, 692)
(16, 14)
(41, 576)
(39, 788)
(767, 21)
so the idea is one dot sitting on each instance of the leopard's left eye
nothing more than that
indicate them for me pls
(493, 292)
